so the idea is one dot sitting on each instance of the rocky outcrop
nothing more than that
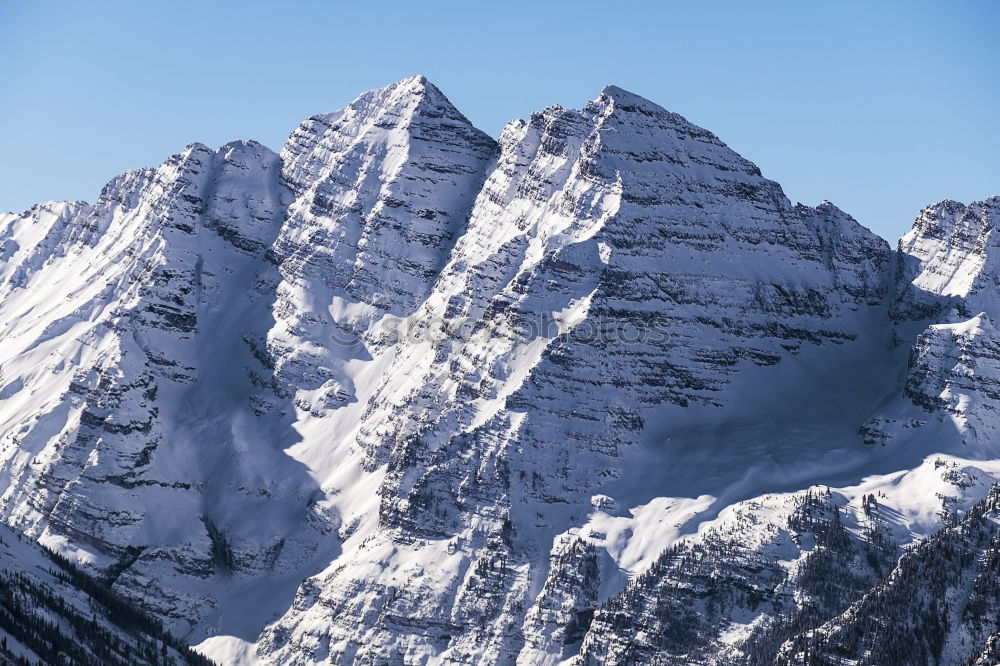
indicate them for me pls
(775, 568)
(947, 278)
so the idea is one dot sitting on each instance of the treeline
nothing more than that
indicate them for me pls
(674, 612)
(944, 591)
(43, 619)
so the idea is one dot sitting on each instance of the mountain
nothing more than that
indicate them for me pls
(596, 392)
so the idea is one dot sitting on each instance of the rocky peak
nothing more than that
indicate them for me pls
(382, 192)
(950, 218)
(613, 99)
(951, 259)
(388, 119)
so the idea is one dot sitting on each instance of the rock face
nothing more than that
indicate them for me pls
(125, 398)
(382, 191)
(767, 572)
(493, 432)
(404, 394)
(949, 259)
(947, 278)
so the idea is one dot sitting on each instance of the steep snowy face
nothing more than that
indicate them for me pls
(955, 370)
(950, 257)
(619, 263)
(685, 264)
(35, 236)
(947, 277)
(382, 190)
(126, 432)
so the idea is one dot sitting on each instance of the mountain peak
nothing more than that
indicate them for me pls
(406, 97)
(414, 105)
(830, 208)
(416, 85)
(949, 216)
(630, 107)
(627, 100)
(416, 81)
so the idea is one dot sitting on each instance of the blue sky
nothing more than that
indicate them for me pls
(881, 107)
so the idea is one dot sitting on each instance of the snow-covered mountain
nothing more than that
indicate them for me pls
(596, 392)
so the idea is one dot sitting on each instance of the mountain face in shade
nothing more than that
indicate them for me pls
(596, 392)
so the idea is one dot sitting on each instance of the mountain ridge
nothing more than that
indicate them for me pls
(402, 393)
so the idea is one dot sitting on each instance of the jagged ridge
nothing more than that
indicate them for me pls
(379, 398)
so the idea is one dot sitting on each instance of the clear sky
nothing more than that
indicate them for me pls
(879, 106)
